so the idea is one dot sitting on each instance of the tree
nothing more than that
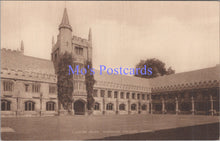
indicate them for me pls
(65, 81)
(170, 71)
(90, 81)
(158, 68)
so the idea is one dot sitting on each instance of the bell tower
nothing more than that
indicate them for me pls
(81, 50)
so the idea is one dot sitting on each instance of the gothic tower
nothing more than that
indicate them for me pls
(81, 50)
(64, 40)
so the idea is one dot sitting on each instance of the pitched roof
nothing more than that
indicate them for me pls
(121, 79)
(17, 61)
(188, 79)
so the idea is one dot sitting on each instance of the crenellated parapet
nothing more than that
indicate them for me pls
(28, 75)
(80, 41)
(12, 51)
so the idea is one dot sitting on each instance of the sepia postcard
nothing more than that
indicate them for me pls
(110, 70)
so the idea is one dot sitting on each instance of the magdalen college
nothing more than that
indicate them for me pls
(29, 85)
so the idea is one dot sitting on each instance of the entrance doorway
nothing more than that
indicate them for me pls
(79, 107)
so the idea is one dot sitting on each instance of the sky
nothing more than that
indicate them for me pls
(183, 34)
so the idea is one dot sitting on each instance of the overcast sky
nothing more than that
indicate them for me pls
(185, 35)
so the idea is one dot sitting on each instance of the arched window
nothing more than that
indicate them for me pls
(122, 107)
(5, 105)
(96, 106)
(133, 107)
(50, 106)
(109, 106)
(144, 107)
(29, 106)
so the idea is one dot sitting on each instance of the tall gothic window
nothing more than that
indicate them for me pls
(8, 85)
(122, 95)
(52, 89)
(5, 105)
(102, 93)
(76, 85)
(138, 96)
(115, 94)
(127, 95)
(133, 107)
(79, 50)
(133, 95)
(122, 107)
(109, 94)
(95, 93)
(50, 106)
(148, 97)
(143, 96)
(109, 106)
(29, 106)
(144, 107)
(26, 87)
(35, 88)
(96, 106)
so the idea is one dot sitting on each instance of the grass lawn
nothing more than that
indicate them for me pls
(111, 127)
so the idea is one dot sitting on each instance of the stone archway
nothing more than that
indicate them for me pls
(79, 107)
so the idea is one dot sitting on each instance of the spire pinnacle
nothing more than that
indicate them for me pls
(65, 21)
(90, 34)
(22, 46)
(52, 41)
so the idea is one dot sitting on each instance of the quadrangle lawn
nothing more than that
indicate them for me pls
(105, 127)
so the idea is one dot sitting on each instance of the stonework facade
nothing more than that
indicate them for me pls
(29, 85)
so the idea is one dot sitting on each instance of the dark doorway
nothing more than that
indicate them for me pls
(186, 107)
(158, 107)
(202, 107)
(171, 108)
(79, 107)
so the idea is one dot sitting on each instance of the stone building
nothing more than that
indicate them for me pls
(29, 85)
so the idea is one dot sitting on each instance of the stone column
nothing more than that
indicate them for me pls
(177, 105)
(118, 95)
(151, 104)
(103, 102)
(148, 107)
(129, 102)
(193, 105)
(103, 106)
(98, 93)
(148, 104)
(211, 102)
(139, 107)
(129, 106)
(73, 111)
(163, 106)
(18, 99)
(41, 99)
(86, 110)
